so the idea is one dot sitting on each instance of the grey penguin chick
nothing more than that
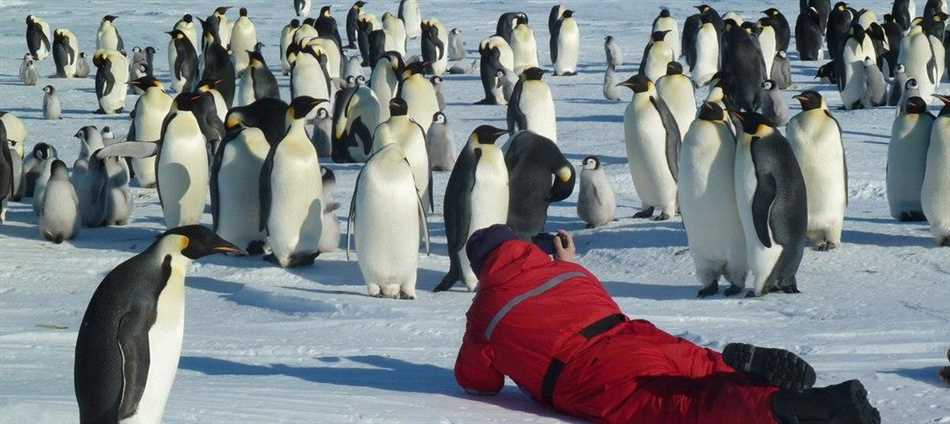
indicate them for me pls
(107, 135)
(437, 84)
(464, 68)
(330, 230)
(911, 89)
(875, 92)
(596, 204)
(29, 73)
(773, 105)
(897, 85)
(52, 108)
(611, 90)
(440, 144)
(59, 219)
(23, 64)
(322, 127)
(353, 67)
(82, 67)
(456, 45)
(614, 54)
(39, 190)
(781, 71)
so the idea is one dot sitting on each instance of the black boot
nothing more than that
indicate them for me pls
(775, 367)
(845, 403)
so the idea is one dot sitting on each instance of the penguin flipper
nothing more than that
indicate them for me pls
(762, 199)
(215, 193)
(457, 212)
(672, 136)
(516, 117)
(555, 34)
(128, 149)
(109, 82)
(134, 348)
(351, 217)
(265, 189)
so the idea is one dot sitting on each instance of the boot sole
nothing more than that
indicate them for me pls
(777, 367)
(866, 413)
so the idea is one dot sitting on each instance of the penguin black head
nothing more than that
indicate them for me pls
(888, 18)
(772, 12)
(521, 20)
(327, 175)
(664, 13)
(753, 122)
(360, 80)
(301, 106)
(310, 21)
(414, 68)
(533, 74)
(729, 25)
(185, 101)
(398, 107)
(325, 11)
(43, 151)
(703, 8)
(176, 34)
(29, 19)
(438, 118)
(674, 68)
(858, 32)
(84, 132)
(876, 31)
(591, 163)
(809, 99)
(568, 13)
(109, 18)
(359, 4)
(946, 104)
(256, 55)
(295, 23)
(609, 38)
(49, 89)
(221, 10)
(59, 170)
(711, 111)
(911, 84)
(659, 36)
(915, 105)
(487, 134)
(826, 71)
(752, 27)
(841, 6)
(638, 83)
(199, 242)
(768, 85)
(436, 80)
(243, 12)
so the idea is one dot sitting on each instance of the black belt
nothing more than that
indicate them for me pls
(557, 366)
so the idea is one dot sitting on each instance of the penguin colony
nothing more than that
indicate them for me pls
(751, 195)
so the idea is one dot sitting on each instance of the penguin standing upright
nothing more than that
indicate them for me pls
(613, 51)
(37, 37)
(410, 14)
(221, 25)
(653, 143)
(131, 334)
(705, 52)
(782, 30)
(677, 91)
(236, 170)
(217, 63)
(557, 11)
(456, 45)
(435, 40)
(707, 198)
(656, 56)
(496, 56)
(596, 204)
(243, 39)
(853, 85)
(875, 90)
(419, 95)
(920, 63)
(28, 74)
(907, 160)
(52, 108)
(896, 87)
(476, 197)
(506, 24)
(781, 71)
(188, 27)
(665, 22)
(743, 68)
(773, 105)
(808, 35)
(286, 39)
(138, 66)
(108, 37)
(310, 75)
(43, 168)
(405, 131)
(326, 26)
(531, 106)
(183, 62)
(437, 83)
(292, 192)
(182, 165)
(538, 175)
(7, 189)
(302, 7)
(356, 114)
(815, 138)
(257, 82)
(82, 67)
(935, 192)
(352, 18)
(837, 29)
(768, 42)
(524, 46)
(59, 219)
(902, 14)
(147, 118)
(112, 76)
(771, 198)
(440, 144)
(565, 44)
(65, 53)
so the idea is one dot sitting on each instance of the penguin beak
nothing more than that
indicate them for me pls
(943, 98)
(229, 248)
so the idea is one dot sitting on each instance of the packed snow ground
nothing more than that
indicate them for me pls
(264, 344)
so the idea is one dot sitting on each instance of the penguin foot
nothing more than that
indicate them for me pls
(824, 246)
(486, 101)
(302, 259)
(662, 217)
(912, 216)
(644, 213)
(791, 290)
(945, 375)
(100, 111)
(569, 74)
(709, 290)
(406, 296)
(733, 290)
(272, 259)
(750, 295)
(944, 242)
(255, 248)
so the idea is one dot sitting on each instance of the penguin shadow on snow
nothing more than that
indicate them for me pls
(885, 240)
(929, 375)
(388, 374)
(659, 292)
(119, 238)
(340, 272)
(647, 235)
(242, 295)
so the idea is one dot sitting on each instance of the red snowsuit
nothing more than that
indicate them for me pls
(552, 328)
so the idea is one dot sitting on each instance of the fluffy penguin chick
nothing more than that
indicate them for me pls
(52, 109)
(773, 105)
(60, 218)
(595, 203)
(440, 144)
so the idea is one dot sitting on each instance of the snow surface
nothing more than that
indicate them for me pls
(307, 345)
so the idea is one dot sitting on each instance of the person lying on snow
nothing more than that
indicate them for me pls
(551, 327)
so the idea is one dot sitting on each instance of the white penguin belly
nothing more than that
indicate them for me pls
(245, 94)
(537, 105)
(309, 80)
(115, 100)
(661, 54)
(906, 164)
(768, 45)
(183, 173)
(164, 347)
(489, 203)
(61, 211)
(855, 75)
(761, 259)
(817, 147)
(296, 206)
(239, 213)
(148, 127)
(677, 93)
(707, 55)
(525, 49)
(915, 53)
(384, 84)
(568, 44)
(935, 194)
(646, 156)
(423, 103)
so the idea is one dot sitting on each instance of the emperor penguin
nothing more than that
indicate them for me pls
(35, 165)
(188, 27)
(38, 37)
(52, 108)
(108, 37)
(30, 76)
(456, 45)
(112, 76)
(557, 11)
(815, 138)
(103, 190)
(182, 165)
(235, 171)
(875, 90)
(838, 28)
(611, 90)
(310, 75)
(217, 65)
(182, 62)
(395, 31)
(320, 137)
(858, 46)
(768, 43)
(771, 198)
(286, 39)
(82, 67)
(653, 142)
(596, 204)
(907, 157)
(90, 141)
(131, 335)
(15, 138)
(707, 198)
(59, 219)
(531, 106)
(7, 175)
(506, 24)
(524, 46)
(781, 71)
(911, 89)
(292, 192)
(302, 7)
(435, 39)
(808, 35)
(440, 144)
(920, 63)
(476, 197)
(405, 131)
(666, 22)
(903, 11)
(356, 114)
(352, 17)
(496, 55)
(65, 52)
(366, 24)
(410, 13)
(243, 39)
(387, 216)
(330, 234)
(222, 26)
(565, 45)
(677, 91)
(212, 88)
(326, 26)
(538, 175)
(149, 114)
(706, 52)
(780, 25)
(743, 69)
(257, 82)
(419, 95)
(656, 56)
(139, 66)
(773, 106)
(935, 193)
